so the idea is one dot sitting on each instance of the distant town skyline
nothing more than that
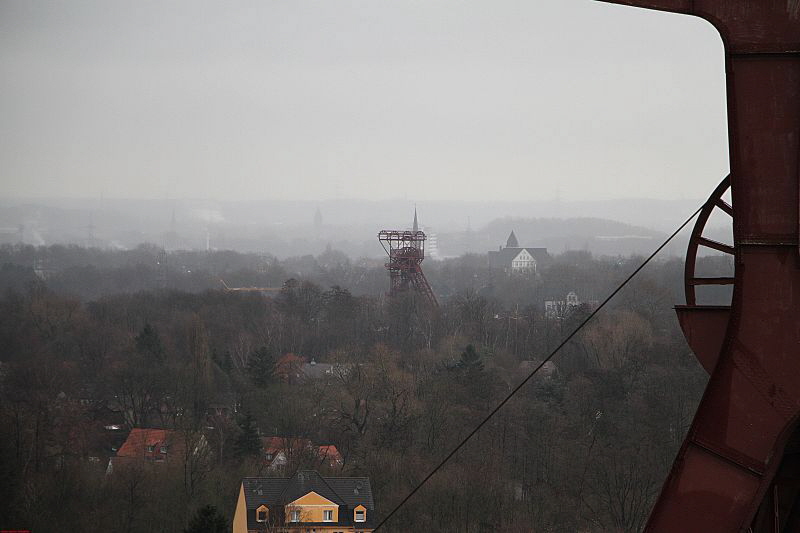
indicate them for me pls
(450, 101)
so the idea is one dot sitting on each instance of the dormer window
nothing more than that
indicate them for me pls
(327, 516)
(294, 516)
(163, 449)
(151, 448)
(361, 515)
(262, 513)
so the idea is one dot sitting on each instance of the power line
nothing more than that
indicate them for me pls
(535, 370)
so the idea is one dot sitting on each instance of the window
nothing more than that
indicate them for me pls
(261, 514)
(163, 449)
(151, 448)
(361, 515)
(327, 516)
(294, 516)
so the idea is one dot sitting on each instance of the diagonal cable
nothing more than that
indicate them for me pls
(535, 370)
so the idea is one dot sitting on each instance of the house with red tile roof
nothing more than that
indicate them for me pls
(329, 455)
(157, 446)
(281, 451)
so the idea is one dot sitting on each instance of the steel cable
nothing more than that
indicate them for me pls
(535, 370)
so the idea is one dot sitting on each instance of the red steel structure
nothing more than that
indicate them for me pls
(738, 469)
(406, 250)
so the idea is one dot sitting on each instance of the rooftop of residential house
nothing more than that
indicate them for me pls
(346, 492)
(291, 445)
(149, 443)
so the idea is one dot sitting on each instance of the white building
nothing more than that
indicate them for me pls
(516, 259)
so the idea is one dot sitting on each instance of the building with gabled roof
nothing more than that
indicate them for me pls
(152, 444)
(329, 455)
(157, 446)
(305, 502)
(283, 452)
(516, 259)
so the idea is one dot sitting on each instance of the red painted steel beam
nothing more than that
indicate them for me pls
(751, 405)
(704, 328)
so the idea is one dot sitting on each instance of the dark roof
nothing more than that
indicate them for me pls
(505, 256)
(512, 241)
(346, 492)
(263, 491)
(314, 370)
(305, 481)
(354, 491)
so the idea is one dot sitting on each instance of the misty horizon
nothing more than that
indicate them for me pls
(286, 229)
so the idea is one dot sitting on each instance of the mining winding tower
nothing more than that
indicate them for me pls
(406, 250)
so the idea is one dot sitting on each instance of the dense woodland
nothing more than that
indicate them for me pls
(150, 340)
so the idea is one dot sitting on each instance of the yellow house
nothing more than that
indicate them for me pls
(305, 503)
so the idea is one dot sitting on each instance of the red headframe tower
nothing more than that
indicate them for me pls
(739, 467)
(406, 250)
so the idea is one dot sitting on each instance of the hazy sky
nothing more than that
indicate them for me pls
(461, 100)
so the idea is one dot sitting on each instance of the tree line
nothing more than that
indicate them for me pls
(584, 446)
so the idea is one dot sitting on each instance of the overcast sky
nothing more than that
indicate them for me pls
(427, 100)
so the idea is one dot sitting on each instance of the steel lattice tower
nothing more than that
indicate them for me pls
(406, 251)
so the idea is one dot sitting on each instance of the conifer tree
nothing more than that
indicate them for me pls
(148, 344)
(207, 520)
(261, 367)
(248, 441)
(471, 360)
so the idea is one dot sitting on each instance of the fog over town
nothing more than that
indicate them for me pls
(198, 308)
(242, 122)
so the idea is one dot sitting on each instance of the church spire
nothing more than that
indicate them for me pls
(416, 225)
(512, 241)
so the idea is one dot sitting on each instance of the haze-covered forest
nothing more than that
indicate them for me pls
(93, 339)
